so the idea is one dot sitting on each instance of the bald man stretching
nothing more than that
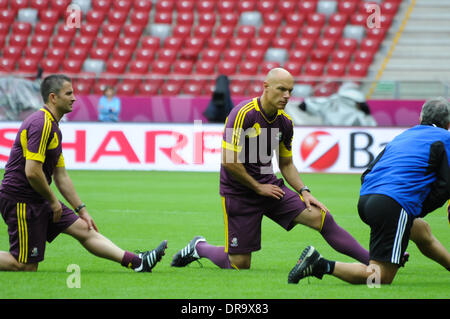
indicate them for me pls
(250, 190)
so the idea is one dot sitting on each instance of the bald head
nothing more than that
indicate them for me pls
(277, 74)
(278, 87)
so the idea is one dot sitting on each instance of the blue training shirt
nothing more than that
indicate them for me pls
(408, 167)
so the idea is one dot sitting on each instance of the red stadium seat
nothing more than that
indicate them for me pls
(181, 31)
(211, 55)
(361, 56)
(205, 6)
(7, 16)
(229, 19)
(287, 7)
(49, 16)
(144, 54)
(182, 67)
(319, 55)
(27, 65)
(122, 5)
(338, 19)
(248, 67)
(163, 17)
(217, 43)
(255, 89)
(326, 44)
(295, 18)
(142, 6)
(125, 89)
(289, 31)
(370, 45)
(17, 40)
(39, 4)
(56, 54)
(95, 17)
(335, 69)
(238, 88)
(273, 19)
(232, 55)
(356, 69)
(246, 5)
(305, 44)
(185, 6)
(50, 65)
(107, 43)
(347, 44)
(60, 6)
(226, 68)
(148, 88)
(35, 53)
(267, 31)
(311, 32)
(117, 17)
(83, 42)
(171, 88)
(194, 43)
(205, 67)
(376, 34)
(42, 28)
(347, 6)
(238, 43)
(150, 42)
(16, 5)
(266, 66)
(127, 43)
(260, 43)
(139, 18)
(313, 69)
(298, 55)
(389, 7)
(185, 18)
(203, 31)
(89, 29)
(22, 28)
(102, 5)
(281, 43)
(207, 18)
(132, 31)
(111, 30)
(224, 31)
(194, 88)
(294, 67)
(99, 53)
(307, 6)
(64, 29)
(41, 41)
(75, 53)
(12, 52)
(7, 65)
(332, 32)
(341, 56)
(121, 54)
(139, 66)
(167, 55)
(62, 42)
(173, 43)
(254, 55)
(316, 20)
(226, 6)
(107, 78)
(81, 88)
(165, 5)
(160, 67)
(265, 6)
(72, 65)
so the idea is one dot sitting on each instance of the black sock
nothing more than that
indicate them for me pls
(326, 266)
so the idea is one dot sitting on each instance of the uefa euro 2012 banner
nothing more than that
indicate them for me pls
(198, 146)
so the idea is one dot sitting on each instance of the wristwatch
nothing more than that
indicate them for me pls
(304, 188)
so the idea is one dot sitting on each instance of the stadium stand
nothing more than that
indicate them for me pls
(179, 41)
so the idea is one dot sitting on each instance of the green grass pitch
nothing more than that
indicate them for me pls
(137, 210)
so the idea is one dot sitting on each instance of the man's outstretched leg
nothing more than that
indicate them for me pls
(335, 236)
(9, 263)
(101, 246)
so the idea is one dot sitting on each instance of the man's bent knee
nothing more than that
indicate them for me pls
(240, 261)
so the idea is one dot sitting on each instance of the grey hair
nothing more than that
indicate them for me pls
(436, 111)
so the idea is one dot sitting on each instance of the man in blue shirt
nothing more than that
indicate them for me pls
(409, 179)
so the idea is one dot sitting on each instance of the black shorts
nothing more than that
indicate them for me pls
(390, 227)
